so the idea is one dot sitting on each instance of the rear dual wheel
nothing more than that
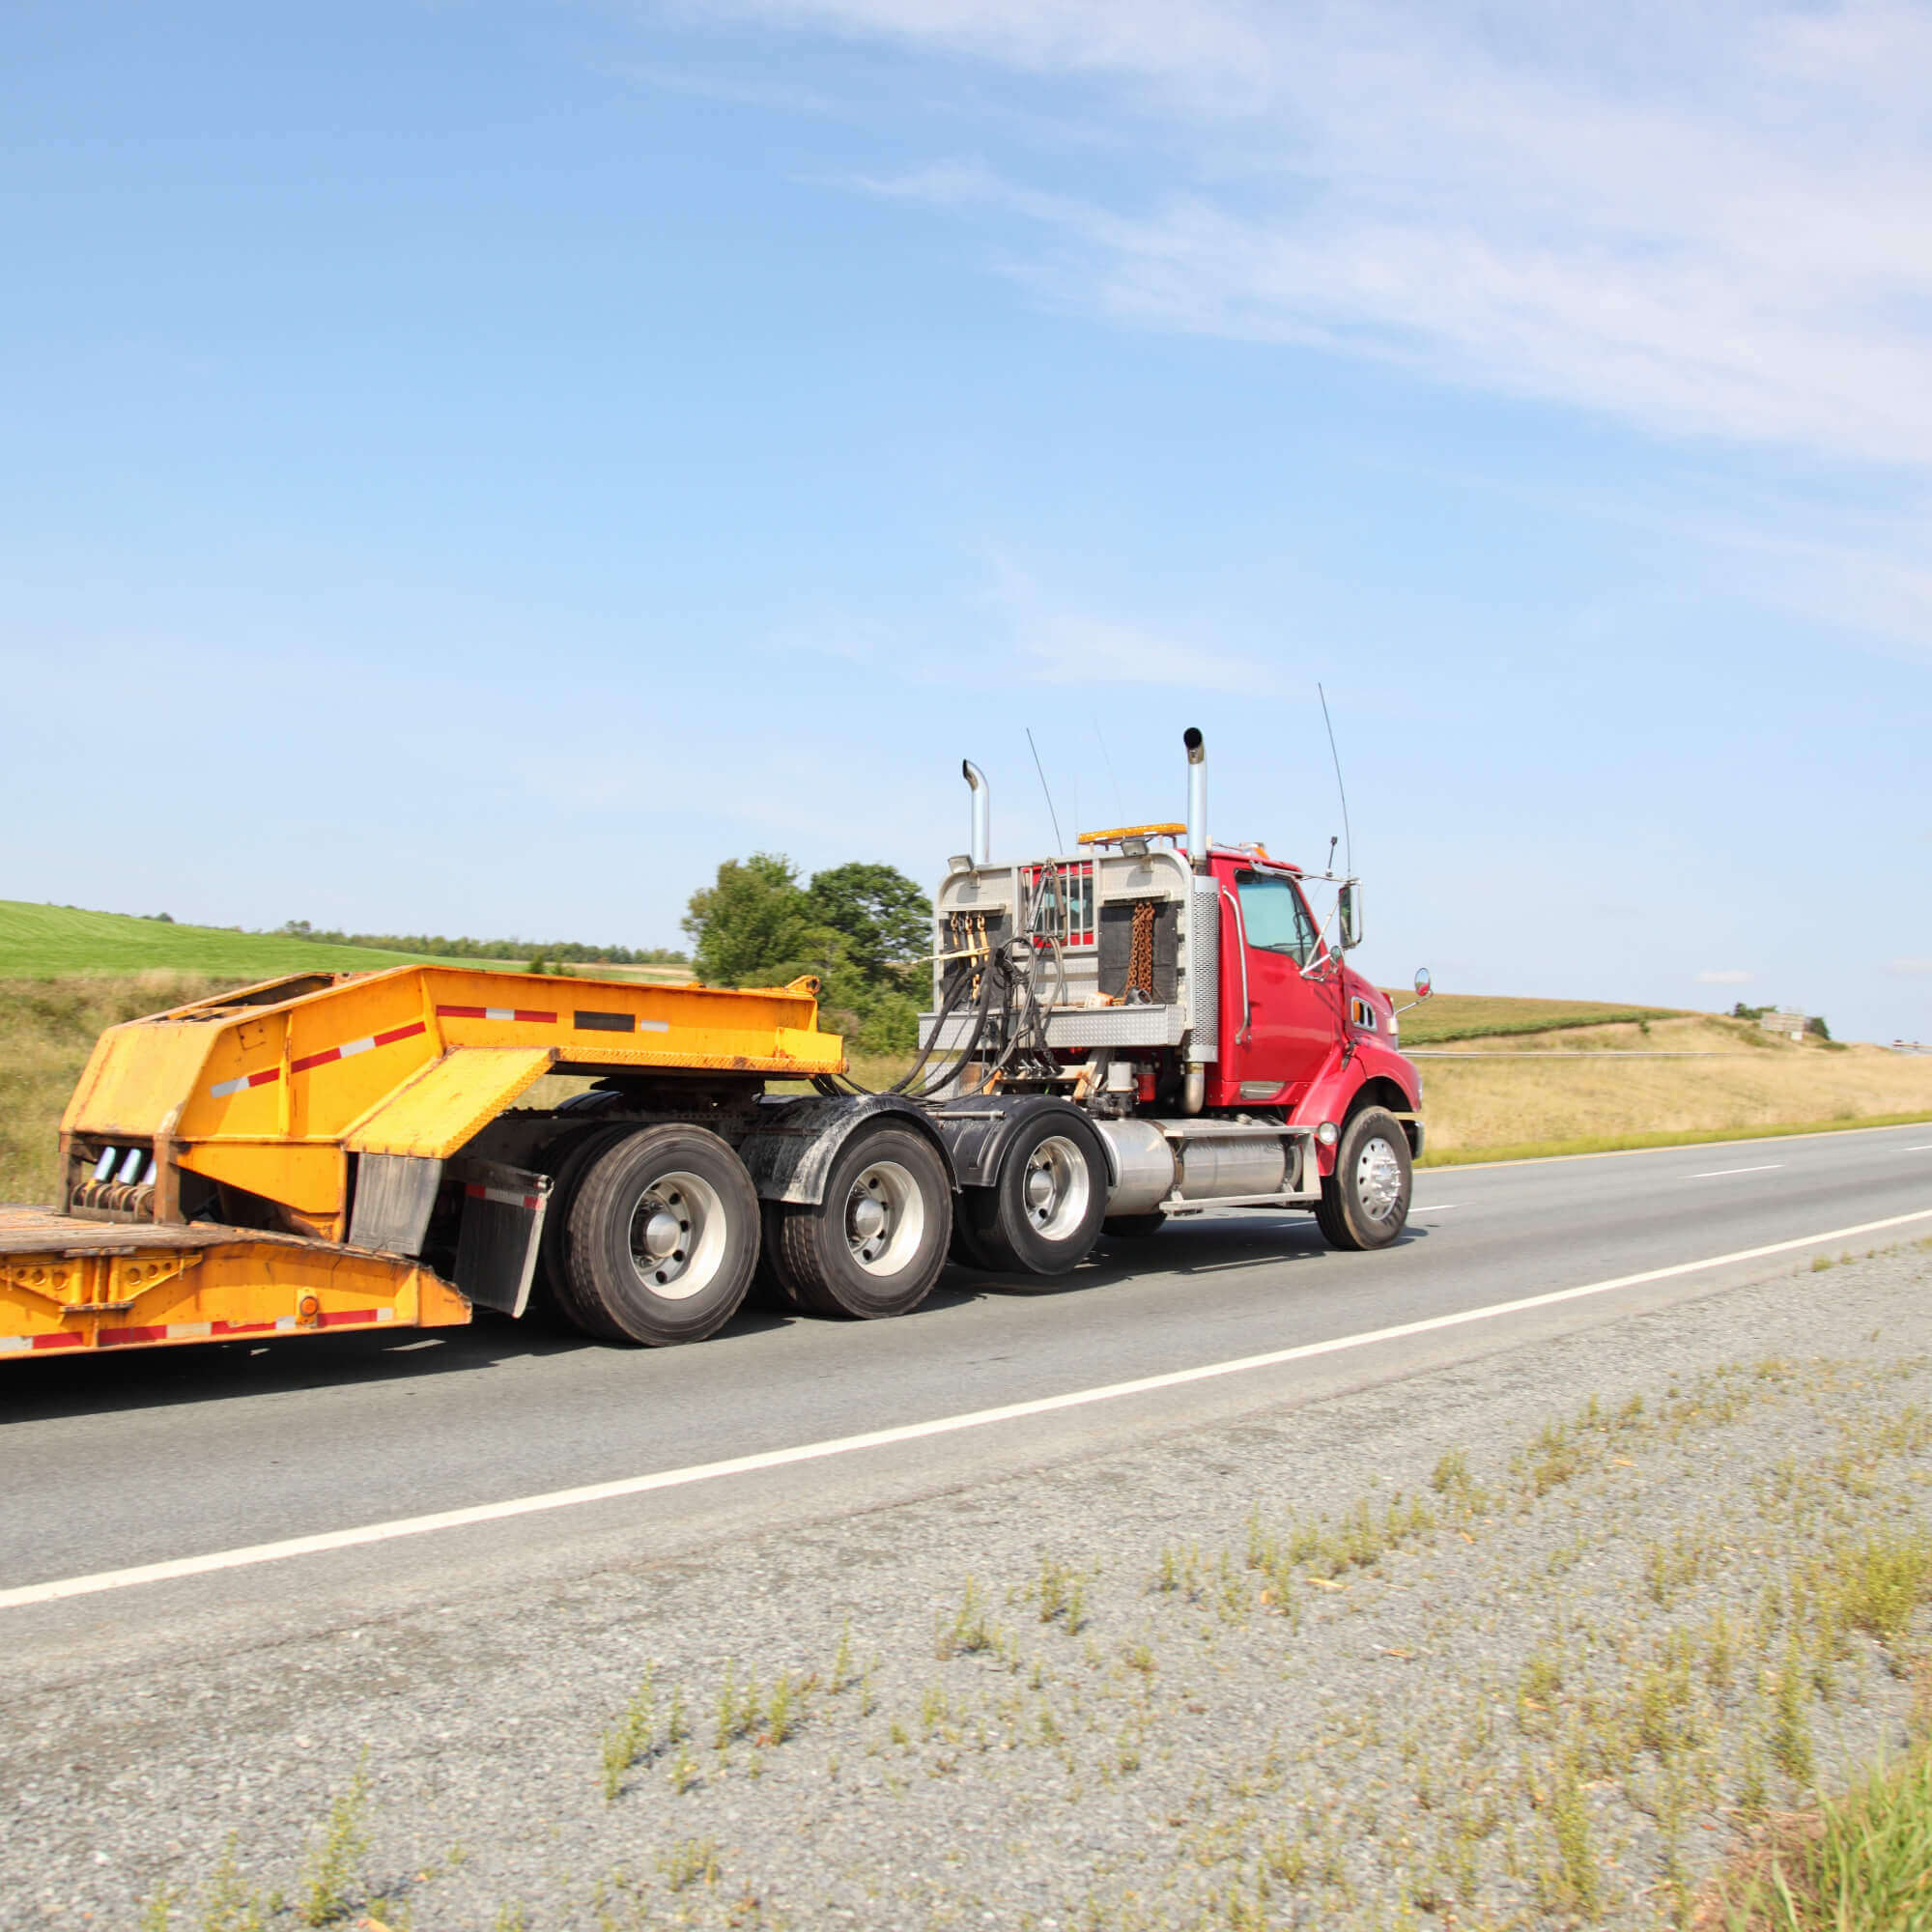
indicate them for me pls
(1043, 1212)
(656, 1235)
(873, 1245)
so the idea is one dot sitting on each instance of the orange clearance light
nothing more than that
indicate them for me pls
(308, 1307)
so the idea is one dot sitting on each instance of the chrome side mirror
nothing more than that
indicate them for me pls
(1423, 988)
(1350, 908)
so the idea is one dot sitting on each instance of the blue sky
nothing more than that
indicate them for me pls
(475, 467)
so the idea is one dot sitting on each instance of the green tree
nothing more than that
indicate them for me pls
(753, 927)
(859, 928)
(884, 919)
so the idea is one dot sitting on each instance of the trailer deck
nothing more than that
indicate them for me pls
(66, 1282)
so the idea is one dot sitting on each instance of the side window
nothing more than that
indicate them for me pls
(1275, 919)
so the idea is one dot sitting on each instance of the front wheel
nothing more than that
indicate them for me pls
(662, 1238)
(1043, 1212)
(875, 1245)
(1365, 1200)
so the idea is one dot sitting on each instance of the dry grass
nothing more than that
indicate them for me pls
(1475, 1108)
(47, 1028)
(1754, 1082)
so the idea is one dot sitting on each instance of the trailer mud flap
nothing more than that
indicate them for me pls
(395, 1194)
(502, 1224)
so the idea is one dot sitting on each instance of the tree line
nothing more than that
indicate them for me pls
(569, 950)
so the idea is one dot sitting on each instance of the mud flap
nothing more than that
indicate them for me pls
(502, 1223)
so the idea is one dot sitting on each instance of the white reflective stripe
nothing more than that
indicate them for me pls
(181, 1331)
(385, 1315)
(356, 1046)
(17, 1342)
(500, 1013)
(285, 1321)
(653, 1026)
(221, 1089)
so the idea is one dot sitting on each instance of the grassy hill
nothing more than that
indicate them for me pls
(43, 942)
(1446, 1016)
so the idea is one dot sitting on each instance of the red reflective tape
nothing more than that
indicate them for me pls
(119, 1338)
(240, 1328)
(528, 1014)
(353, 1046)
(344, 1316)
(221, 1089)
(61, 1341)
(478, 1191)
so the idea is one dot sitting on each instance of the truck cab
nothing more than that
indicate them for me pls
(1190, 1005)
(1300, 1030)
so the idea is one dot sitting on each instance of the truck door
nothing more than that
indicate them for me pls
(1290, 1027)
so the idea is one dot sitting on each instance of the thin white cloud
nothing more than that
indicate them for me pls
(1908, 969)
(1723, 975)
(1713, 221)
(1055, 640)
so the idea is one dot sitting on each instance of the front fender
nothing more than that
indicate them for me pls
(1332, 1095)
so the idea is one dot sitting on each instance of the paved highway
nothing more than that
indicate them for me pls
(166, 1455)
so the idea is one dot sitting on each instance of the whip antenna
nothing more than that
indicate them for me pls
(1059, 845)
(1347, 837)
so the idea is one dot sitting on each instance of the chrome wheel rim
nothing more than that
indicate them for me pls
(677, 1235)
(885, 1219)
(1377, 1179)
(1055, 1188)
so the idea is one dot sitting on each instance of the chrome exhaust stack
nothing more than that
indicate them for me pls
(1197, 798)
(983, 813)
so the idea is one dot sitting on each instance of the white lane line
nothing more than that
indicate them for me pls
(1716, 1173)
(1437, 1208)
(878, 1438)
(1923, 1147)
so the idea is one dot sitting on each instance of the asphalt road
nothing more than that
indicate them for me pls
(170, 1454)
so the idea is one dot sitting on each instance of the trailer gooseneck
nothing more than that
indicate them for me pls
(1140, 1030)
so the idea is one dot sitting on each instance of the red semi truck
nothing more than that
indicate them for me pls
(1150, 1027)
(1164, 1024)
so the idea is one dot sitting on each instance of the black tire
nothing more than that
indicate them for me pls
(874, 1245)
(965, 1248)
(1021, 1235)
(1133, 1227)
(663, 1237)
(566, 1160)
(1365, 1200)
(769, 1287)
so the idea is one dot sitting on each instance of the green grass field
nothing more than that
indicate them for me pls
(41, 942)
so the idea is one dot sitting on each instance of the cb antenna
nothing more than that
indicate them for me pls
(1059, 845)
(1347, 836)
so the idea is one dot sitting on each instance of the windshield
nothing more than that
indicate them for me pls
(1274, 917)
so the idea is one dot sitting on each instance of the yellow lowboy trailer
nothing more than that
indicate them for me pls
(328, 1151)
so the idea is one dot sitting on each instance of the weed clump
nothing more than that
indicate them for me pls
(333, 1864)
